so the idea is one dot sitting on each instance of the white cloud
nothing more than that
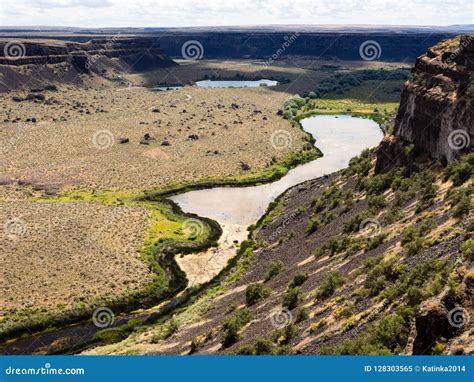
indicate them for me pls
(161, 13)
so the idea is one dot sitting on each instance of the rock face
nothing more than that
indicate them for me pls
(440, 100)
(136, 53)
(437, 104)
(326, 45)
(391, 153)
(445, 318)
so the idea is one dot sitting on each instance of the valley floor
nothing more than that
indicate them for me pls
(70, 190)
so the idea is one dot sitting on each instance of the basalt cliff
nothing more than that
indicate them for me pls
(28, 61)
(436, 111)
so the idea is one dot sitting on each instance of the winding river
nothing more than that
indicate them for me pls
(339, 138)
(235, 208)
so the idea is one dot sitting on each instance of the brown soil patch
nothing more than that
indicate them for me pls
(59, 253)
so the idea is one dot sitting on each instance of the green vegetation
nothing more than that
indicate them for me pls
(274, 269)
(256, 292)
(301, 315)
(460, 171)
(292, 297)
(342, 83)
(330, 284)
(298, 279)
(313, 225)
(262, 347)
(467, 248)
(232, 325)
(285, 335)
(112, 335)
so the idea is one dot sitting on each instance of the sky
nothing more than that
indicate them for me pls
(178, 13)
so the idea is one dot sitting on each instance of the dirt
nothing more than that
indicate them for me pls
(59, 253)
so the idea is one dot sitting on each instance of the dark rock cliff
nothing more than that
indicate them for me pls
(436, 111)
(136, 54)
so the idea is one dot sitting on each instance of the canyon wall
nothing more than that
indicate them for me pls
(436, 110)
(136, 53)
(343, 45)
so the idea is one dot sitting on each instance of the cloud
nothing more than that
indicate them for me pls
(165, 13)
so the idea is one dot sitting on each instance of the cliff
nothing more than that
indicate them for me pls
(436, 110)
(62, 61)
(145, 52)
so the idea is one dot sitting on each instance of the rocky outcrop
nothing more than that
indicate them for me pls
(393, 152)
(134, 53)
(443, 319)
(437, 104)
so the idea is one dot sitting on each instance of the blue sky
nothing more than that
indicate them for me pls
(160, 13)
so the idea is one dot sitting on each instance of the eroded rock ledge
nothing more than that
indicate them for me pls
(436, 111)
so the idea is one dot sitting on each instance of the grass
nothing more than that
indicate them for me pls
(165, 233)
(273, 173)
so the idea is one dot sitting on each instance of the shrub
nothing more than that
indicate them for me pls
(375, 241)
(317, 204)
(392, 332)
(408, 235)
(460, 171)
(302, 315)
(299, 279)
(414, 296)
(313, 225)
(348, 324)
(376, 202)
(463, 207)
(259, 347)
(232, 326)
(196, 343)
(170, 329)
(330, 284)
(285, 335)
(343, 311)
(256, 292)
(322, 322)
(414, 246)
(291, 298)
(467, 248)
(274, 269)
(353, 224)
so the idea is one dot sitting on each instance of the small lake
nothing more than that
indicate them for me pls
(235, 84)
(339, 138)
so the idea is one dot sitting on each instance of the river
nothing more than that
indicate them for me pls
(235, 208)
